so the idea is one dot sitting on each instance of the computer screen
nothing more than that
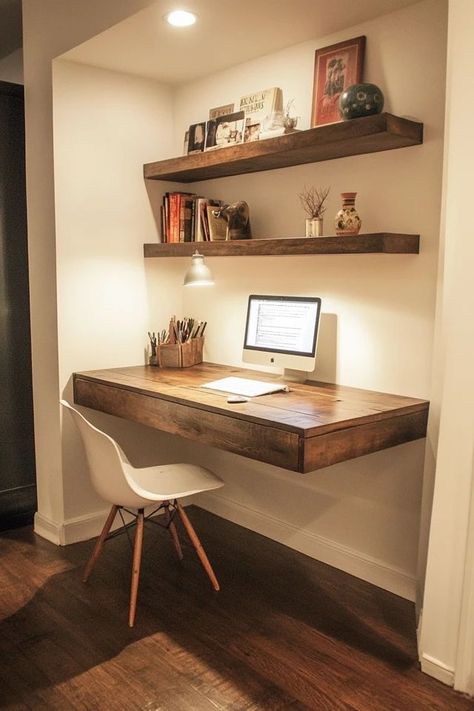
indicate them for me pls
(282, 331)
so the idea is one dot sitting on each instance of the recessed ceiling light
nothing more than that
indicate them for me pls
(181, 18)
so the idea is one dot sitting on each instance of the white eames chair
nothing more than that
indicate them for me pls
(126, 487)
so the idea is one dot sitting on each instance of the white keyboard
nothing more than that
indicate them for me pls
(244, 386)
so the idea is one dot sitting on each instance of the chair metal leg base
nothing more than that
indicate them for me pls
(198, 546)
(138, 545)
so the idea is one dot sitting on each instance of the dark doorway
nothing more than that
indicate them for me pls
(17, 456)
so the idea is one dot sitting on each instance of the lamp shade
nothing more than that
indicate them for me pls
(198, 274)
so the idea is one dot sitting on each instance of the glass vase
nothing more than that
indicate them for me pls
(314, 227)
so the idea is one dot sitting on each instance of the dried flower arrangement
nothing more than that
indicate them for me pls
(312, 200)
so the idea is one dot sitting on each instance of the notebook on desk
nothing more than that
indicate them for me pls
(245, 386)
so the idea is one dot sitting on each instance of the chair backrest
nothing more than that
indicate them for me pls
(107, 462)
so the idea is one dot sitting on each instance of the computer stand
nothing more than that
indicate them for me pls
(294, 376)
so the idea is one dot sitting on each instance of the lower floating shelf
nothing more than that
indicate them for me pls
(375, 243)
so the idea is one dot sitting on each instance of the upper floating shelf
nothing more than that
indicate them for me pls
(375, 243)
(381, 132)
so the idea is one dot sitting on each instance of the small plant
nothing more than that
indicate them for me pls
(312, 201)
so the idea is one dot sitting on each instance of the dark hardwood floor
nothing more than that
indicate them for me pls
(285, 633)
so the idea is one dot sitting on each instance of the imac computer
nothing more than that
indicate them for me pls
(282, 331)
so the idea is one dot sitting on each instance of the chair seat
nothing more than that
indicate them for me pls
(170, 481)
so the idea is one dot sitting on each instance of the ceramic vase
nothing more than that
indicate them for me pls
(314, 227)
(360, 100)
(347, 220)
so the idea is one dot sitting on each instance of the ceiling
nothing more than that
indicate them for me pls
(10, 26)
(227, 32)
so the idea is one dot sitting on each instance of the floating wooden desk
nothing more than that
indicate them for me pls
(313, 426)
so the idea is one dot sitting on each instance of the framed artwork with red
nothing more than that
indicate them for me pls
(335, 68)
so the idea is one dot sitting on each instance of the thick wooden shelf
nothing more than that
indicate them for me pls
(382, 132)
(379, 242)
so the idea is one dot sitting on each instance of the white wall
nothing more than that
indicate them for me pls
(362, 515)
(49, 29)
(11, 67)
(447, 632)
(105, 125)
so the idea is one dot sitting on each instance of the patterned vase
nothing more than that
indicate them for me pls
(347, 220)
(360, 100)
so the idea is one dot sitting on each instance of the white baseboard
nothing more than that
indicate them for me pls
(323, 549)
(47, 529)
(81, 528)
(437, 669)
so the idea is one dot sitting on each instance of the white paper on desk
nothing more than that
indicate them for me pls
(244, 386)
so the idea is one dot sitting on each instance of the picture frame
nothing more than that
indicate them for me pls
(197, 137)
(225, 131)
(335, 68)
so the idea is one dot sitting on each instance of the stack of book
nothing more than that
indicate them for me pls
(186, 217)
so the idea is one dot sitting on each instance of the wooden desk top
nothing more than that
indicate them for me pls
(312, 426)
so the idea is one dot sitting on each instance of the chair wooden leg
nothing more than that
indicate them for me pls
(99, 543)
(197, 545)
(137, 559)
(173, 533)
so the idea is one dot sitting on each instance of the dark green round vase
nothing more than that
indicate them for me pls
(360, 100)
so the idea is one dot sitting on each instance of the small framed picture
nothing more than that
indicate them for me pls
(225, 130)
(197, 137)
(335, 68)
(186, 142)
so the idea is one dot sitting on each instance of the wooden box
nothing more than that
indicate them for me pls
(180, 355)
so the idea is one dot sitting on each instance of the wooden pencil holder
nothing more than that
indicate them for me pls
(181, 355)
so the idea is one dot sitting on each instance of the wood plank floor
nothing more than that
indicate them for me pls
(284, 634)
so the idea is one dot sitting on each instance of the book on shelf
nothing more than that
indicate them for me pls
(184, 217)
(221, 111)
(263, 109)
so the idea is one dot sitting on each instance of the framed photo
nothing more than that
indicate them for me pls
(197, 137)
(186, 142)
(335, 68)
(225, 130)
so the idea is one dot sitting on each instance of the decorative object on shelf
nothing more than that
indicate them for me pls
(312, 200)
(347, 221)
(198, 273)
(272, 126)
(197, 137)
(237, 217)
(216, 225)
(261, 108)
(225, 130)
(289, 122)
(221, 111)
(361, 100)
(335, 68)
